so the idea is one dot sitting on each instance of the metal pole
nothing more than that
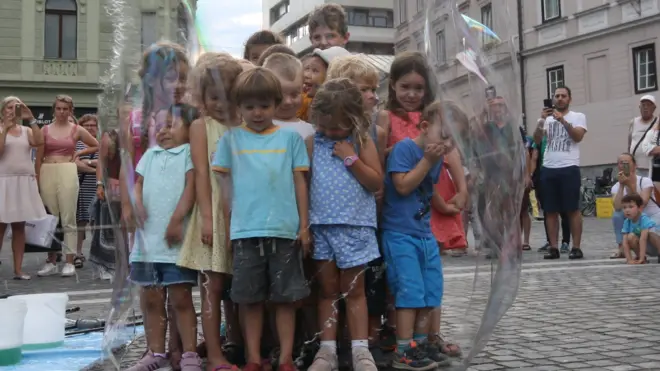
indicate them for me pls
(521, 62)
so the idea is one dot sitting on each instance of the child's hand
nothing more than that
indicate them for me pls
(343, 149)
(140, 214)
(207, 232)
(174, 232)
(434, 152)
(452, 210)
(305, 241)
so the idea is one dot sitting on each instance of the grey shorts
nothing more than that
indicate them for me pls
(267, 269)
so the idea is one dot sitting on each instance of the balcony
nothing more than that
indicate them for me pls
(60, 68)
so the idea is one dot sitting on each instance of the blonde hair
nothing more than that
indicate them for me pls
(5, 102)
(342, 101)
(246, 64)
(353, 67)
(277, 48)
(284, 65)
(213, 70)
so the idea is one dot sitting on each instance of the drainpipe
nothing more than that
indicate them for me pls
(521, 62)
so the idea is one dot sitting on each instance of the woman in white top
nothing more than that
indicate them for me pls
(650, 143)
(631, 183)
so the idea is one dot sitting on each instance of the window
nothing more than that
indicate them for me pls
(550, 9)
(61, 29)
(420, 6)
(278, 11)
(296, 33)
(555, 76)
(487, 20)
(440, 51)
(645, 70)
(370, 18)
(149, 29)
(403, 11)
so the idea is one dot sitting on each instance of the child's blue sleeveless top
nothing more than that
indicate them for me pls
(336, 196)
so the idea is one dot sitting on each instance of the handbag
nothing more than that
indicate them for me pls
(40, 233)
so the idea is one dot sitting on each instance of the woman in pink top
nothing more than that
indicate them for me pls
(19, 192)
(58, 177)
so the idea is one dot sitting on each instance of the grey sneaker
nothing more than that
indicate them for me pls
(564, 248)
(149, 363)
(325, 360)
(545, 247)
(363, 360)
(191, 362)
(434, 354)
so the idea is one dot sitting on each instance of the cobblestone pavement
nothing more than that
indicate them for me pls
(593, 314)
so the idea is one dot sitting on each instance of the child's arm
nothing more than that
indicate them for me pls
(302, 200)
(367, 168)
(222, 163)
(141, 213)
(406, 183)
(381, 134)
(438, 203)
(455, 167)
(309, 144)
(383, 120)
(643, 241)
(199, 152)
(626, 249)
(174, 232)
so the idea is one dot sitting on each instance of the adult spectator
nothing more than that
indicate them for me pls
(87, 185)
(560, 175)
(19, 192)
(58, 177)
(630, 181)
(639, 130)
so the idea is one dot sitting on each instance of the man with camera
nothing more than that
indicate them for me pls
(560, 175)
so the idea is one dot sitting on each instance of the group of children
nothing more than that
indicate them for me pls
(274, 183)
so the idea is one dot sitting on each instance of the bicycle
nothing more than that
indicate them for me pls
(587, 197)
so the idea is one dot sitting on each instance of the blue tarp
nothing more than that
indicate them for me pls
(78, 352)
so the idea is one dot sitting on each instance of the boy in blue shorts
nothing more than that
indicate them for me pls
(265, 203)
(414, 269)
(638, 230)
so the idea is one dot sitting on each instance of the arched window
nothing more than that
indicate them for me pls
(61, 29)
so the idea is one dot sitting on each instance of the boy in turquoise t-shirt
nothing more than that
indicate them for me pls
(265, 203)
(638, 229)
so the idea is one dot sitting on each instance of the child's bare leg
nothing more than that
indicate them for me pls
(186, 320)
(174, 341)
(654, 239)
(352, 284)
(629, 243)
(152, 301)
(405, 324)
(285, 320)
(254, 323)
(327, 306)
(211, 290)
(234, 335)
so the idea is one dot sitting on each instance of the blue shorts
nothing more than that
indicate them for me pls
(161, 274)
(414, 270)
(347, 245)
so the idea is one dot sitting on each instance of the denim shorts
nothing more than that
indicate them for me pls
(161, 274)
(414, 270)
(349, 246)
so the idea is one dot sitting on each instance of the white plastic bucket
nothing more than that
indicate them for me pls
(44, 321)
(11, 333)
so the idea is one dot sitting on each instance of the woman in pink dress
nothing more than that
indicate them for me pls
(19, 190)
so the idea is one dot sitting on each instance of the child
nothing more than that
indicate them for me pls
(345, 173)
(288, 70)
(413, 168)
(366, 77)
(315, 66)
(258, 43)
(264, 172)
(277, 48)
(638, 229)
(204, 247)
(165, 194)
(327, 26)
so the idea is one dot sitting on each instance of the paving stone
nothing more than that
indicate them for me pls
(515, 364)
(622, 368)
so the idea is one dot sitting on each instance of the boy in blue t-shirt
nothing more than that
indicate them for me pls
(265, 203)
(638, 229)
(414, 269)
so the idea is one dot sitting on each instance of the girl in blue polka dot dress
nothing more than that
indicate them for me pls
(345, 172)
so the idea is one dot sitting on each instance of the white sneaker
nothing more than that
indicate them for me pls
(48, 270)
(68, 270)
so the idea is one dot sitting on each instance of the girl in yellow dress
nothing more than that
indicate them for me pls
(204, 248)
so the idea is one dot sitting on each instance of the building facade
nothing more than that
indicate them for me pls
(51, 47)
(604, 50)
(371, 23)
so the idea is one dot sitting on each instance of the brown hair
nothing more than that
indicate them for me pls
(451, 116)
(64, 99)
(263, 37)
(88, 117)
(342, 100)
(214, 71)
(353, 67)
(633, 197)
(257, 83)
(275, 49)
(284, 66)
(330, 15)
(156, 61)
(402, 65)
